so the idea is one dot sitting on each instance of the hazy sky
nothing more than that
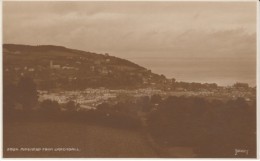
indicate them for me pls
(191, 37)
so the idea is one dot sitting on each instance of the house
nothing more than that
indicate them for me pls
(31, 70)
(180, 89)
(68, 67)
(104, 71)
(52, 66)
(97, 62)
(17, 52)
(145, 81)
(92, 68)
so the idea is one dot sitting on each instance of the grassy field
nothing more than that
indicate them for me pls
(92, 141)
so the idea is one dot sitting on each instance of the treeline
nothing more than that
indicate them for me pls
(194, 86)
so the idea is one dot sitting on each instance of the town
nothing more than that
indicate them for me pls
(91, 98)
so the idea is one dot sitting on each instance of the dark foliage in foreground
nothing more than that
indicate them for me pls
(214, 128)
(98, 117)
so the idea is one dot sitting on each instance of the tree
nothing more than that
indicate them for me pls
(144, 102)
(103, 106)
(155, 99)
(27, 93)
(241, 85)
(9, 96)
(50, 106)
(71, 106)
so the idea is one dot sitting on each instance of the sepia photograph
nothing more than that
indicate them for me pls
(129, 79)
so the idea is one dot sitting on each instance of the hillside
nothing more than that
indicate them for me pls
(57, 67)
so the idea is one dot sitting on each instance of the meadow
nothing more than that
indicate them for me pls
(92, 141)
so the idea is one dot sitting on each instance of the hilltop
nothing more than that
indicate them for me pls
(58, 67)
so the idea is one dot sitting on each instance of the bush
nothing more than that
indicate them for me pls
(214, 129)
(50, 106)
(71, 106)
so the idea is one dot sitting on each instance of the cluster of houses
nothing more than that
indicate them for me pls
(32, 69)
(90, 98)
(57, 66)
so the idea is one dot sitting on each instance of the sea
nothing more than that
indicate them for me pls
(223, 71)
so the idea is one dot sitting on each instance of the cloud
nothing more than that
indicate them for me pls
(176, 29)
(187, 30)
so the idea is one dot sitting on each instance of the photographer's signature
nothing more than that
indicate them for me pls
(243, 151)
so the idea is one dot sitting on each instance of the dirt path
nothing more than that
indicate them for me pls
(164, 152)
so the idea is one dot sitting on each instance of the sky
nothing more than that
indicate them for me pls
(190, 41)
